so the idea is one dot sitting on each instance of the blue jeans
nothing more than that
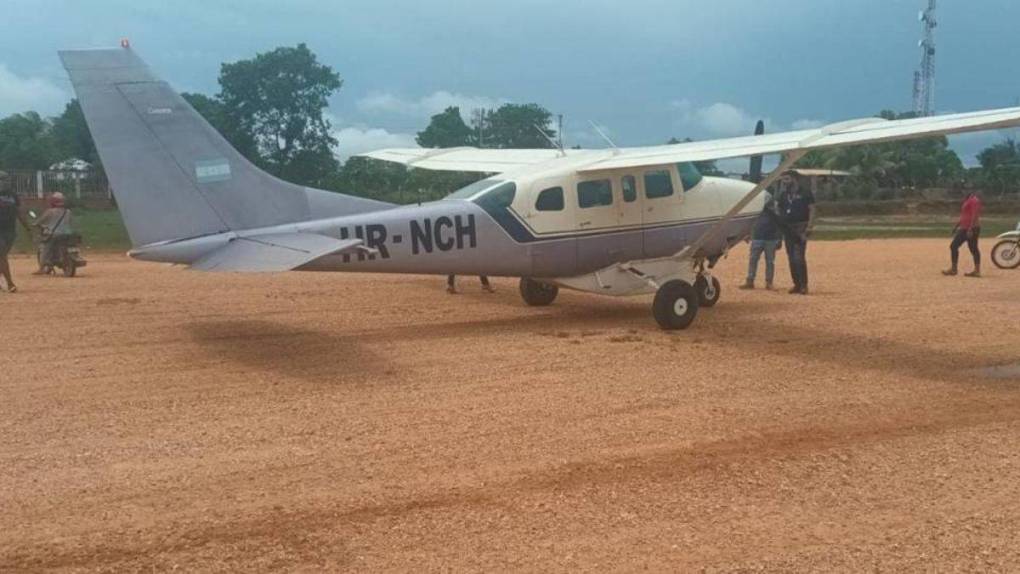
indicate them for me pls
(768, 247)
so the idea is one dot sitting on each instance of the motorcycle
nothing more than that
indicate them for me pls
(1006, 253)
(65, 254)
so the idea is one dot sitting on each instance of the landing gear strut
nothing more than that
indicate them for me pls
(709, 290)
(538, 294)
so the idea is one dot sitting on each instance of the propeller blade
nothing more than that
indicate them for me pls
(755, 173)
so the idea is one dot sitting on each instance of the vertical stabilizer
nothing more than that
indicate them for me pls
(174, 176)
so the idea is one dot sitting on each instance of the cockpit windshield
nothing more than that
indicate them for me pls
(475, 188)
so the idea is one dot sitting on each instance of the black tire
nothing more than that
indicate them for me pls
(708, 293)
(675, 305)
(70, 268)
(1006, 254)
(538, 294)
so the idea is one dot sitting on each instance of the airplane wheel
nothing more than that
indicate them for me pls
(708, 292)
(538, 294)
(1006, 254)
(675, 305)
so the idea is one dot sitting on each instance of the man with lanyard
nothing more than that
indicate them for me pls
(968, 231)
(797, 212)
(10, 215)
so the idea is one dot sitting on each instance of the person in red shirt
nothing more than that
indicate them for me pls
(968, 231)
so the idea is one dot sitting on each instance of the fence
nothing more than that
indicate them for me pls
(86, 187)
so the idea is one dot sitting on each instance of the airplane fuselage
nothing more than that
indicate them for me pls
(510, 227)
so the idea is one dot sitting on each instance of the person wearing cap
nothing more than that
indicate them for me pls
(766, 238)
(54, 223)
(797, 214)
(10, 215)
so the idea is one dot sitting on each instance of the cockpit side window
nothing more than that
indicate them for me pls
(550, 199)
(690, 177)
(498, 197)
(658, 184)
(596, 193)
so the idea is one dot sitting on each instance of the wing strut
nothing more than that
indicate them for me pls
(712, 234)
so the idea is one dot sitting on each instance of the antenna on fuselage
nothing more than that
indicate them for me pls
(549, 138)
(601, 133)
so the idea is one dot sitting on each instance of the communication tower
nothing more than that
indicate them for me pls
(924, 78)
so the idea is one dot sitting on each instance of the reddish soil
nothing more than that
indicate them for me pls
(154, 418)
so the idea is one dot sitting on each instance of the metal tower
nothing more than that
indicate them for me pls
(924, 78)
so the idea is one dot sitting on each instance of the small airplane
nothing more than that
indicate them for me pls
(624, 221)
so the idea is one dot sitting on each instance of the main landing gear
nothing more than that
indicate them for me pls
(538, 294)
(677, 300)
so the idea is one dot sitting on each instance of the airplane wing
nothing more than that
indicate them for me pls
(272, 252)
(468, 158)
(856, 132)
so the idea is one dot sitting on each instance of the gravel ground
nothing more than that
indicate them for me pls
(153, 418)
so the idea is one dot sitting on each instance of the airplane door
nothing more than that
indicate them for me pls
(608, 221)
(662, 212)
(629, 242)
(549, 216)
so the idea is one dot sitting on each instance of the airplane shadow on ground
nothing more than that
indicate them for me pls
(853, 352)
(310, 355)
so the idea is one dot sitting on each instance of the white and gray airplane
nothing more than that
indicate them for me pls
(618, 222)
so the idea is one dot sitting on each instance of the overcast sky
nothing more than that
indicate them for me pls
(646, 70)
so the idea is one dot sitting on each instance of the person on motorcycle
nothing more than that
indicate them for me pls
(54, 224)
(968, 230)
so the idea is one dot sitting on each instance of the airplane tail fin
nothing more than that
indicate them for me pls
(173, 175)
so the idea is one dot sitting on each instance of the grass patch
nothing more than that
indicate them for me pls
(101, 230)
(901, 227)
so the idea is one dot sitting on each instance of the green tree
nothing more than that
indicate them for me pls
(72, 137)
(516, 126)
(1000, 166)
(279, 98)
(215, 112)
(26, 142)
(446, 129)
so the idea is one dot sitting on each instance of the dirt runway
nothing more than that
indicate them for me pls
(153, 418)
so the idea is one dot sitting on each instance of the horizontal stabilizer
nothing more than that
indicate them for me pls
(272, 252)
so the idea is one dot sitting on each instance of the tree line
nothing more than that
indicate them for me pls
(272, 108)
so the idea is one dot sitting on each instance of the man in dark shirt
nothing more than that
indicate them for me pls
(797, 212)
(765, 239)
(10, 215)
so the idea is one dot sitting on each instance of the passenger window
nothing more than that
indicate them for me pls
(595, 193)
(658, 184)
(629, 184)
(550, 199)
(690, 177)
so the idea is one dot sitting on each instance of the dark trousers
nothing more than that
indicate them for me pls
(962, 237)
(796, 252)
(451, 280)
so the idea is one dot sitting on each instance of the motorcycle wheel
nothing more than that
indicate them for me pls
(1006, 254)
(68, 266)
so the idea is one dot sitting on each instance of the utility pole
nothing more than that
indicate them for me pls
(559, 131)
(480, 120)
(924, 77)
